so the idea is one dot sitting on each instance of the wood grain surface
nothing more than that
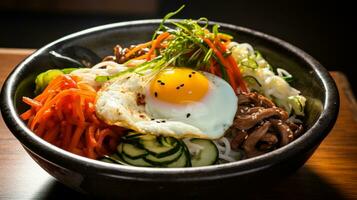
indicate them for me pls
(331, 173)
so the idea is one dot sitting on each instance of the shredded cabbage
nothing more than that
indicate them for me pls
(260, 77)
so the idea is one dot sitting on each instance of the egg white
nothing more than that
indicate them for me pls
(213, 114)
(116, 104)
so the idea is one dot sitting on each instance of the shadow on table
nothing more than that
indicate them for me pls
(304, 184)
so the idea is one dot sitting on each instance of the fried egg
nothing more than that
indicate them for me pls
(178, 102)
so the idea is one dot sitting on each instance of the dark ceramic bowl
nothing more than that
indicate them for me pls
(99, 178)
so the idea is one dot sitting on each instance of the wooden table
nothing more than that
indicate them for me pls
(331, 173)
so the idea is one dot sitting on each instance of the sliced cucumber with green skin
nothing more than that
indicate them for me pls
(133, 151)
(131, 135)
(155, 148)
(180, 162)
(136, 162)
(115, 158)
(188, 155)
(140, 162)
(207, 156)
(164, 160)
(145, 150)
(107, 160)
(167, 141)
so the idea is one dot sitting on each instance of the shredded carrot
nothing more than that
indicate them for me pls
(211, 67)
(155, 43)
(64, 115)
(26, 115)
(140, 57)
(234, 66)
(225, 63)
(33, 103)
(137, 48)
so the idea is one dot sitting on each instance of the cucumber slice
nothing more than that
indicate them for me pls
(147, 137)
(120, 148)
(207, 156)
(133, 151)
(187, 152)
(131, 135)
(159, 150)
(139, 162)
(114, 158)
(164, 160)
(167, 141)
(107, 160)
(180, 162)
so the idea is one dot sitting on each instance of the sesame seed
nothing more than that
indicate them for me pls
(157, 121)
(162, 83)
(155, 94)
(193, 72)
(163, 121)
(182, 85)
(152, 119)
(188, 115)
(177, 87)
(159, 81)
(190, 76)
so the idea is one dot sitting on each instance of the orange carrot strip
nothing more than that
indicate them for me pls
(40, 130)
(31, 102)
(67, 135)
(137, 48)
(102, 135)
(140, 57)
(234, 67)
(77, 151)
(91, 142)
(76, 137)
(78, 109)
(155, 43)
(211, 67)
(26, 115)
(223, 61)
(241, 82)
(50, 103)
(51, 134)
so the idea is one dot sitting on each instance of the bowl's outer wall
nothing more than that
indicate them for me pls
(311, 78)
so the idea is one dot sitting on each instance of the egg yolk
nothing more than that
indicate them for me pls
(179, 86)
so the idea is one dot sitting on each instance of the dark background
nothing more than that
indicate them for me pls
(324, 29)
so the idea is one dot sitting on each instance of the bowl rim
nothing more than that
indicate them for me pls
(60, 157)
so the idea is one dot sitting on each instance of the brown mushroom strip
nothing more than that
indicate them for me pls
(248, 111)
(298, 131)
(296, 128)
(245, 122)
(238, 139)
(250, 143)
(109, 58)
(286, 135)
(268, 141)
(119, 53)
(256, 99)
